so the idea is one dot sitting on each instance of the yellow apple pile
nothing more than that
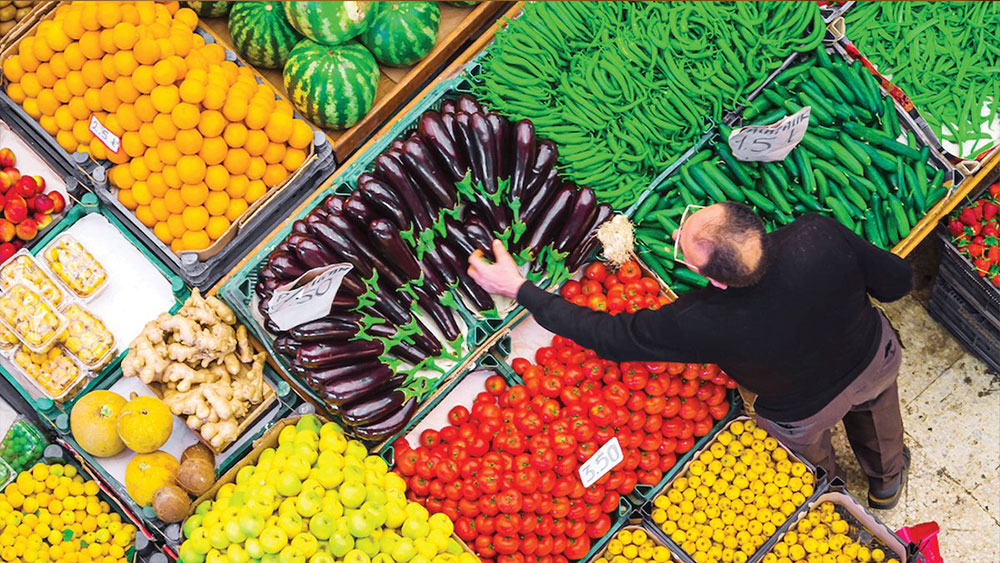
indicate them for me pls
(321, 498)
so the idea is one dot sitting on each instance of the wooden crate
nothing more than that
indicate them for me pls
(396, 85)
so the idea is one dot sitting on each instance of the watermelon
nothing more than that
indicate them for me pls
(261, 33)
(462, 3)
(209, 9)
(332, 85)
(330, 23)
(402, 33)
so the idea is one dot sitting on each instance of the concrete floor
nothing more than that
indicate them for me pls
(951, 415)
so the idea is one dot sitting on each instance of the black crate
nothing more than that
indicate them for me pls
(965, 322)
(961, 275)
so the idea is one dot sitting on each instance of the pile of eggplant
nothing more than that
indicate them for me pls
(408, 228)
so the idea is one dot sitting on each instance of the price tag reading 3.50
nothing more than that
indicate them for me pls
(307, 298)
(606, 458)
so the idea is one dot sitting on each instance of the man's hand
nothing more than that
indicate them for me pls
(502, 277)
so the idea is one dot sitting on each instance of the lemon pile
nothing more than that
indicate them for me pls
(633, 546)
(50, 514)
(823, 536)
(201, 140)
(733, 496)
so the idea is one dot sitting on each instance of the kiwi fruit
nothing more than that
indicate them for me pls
(171, 503)
(196, 476)
(199, 451)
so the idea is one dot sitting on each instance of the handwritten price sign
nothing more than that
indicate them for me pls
(769, 143)
(601, 462)
(105, 135)
(307, 298)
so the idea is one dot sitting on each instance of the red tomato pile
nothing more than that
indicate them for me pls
(506, 472)
(625, 290)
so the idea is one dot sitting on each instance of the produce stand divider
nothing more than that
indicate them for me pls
(200, 269)
(864, 522)
(391, 95)
(972, 329)
(821, 485)
(47, 409)
(36, 12)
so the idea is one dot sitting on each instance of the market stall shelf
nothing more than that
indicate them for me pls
(396, 85)
(203, 261)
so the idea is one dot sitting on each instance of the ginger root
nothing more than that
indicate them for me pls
(205, 364)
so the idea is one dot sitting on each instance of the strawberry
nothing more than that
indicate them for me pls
(982, 267)
(989, 210)
(955, 227)
(974, 250)
(996, 280)
(995, 191)
(967, 217)
(993, 255)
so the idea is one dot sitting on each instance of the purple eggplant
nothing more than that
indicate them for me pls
(581, 214)
(409, 353)
(285, 266)
(389, 168)
(273, 328)
(333, 204)
(439, 137)
(385, 200)
(321, 354)
(358, 211)
(344, 247)
(320, 377)
(333, 327)
(500, 128)
(479, 297)
(372, 408)
(310, 251)
(456, 234)
(300, 226)
(391, 273)
(433, 264)
(449, 106)
(390, 425)
(286, 345)
(480, 235)
(483, 151)
(442, 317)
(538, 200)
(346, 389)
(468, 104)
(387, 239)
(545, 162)
(550, 221)
(344, 302)
(421, 164)
(524, 157)
(589, 242)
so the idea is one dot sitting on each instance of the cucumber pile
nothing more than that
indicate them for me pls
(855, 163)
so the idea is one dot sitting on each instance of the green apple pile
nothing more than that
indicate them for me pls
(321, 498)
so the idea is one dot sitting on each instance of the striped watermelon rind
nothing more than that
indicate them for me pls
(332, 85)
(261, 33)
(330, 23)
(402, 33)
(209, 9)
(462, 3)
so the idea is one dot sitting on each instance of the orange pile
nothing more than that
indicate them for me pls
(201, 140)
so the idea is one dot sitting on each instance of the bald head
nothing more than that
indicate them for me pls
(725, 242)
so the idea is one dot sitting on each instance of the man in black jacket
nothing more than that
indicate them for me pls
(787, 316)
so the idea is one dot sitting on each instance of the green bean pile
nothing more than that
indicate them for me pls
(944, 55)
(623, 88)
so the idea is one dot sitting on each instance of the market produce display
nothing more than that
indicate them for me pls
(51, 513)
(200, 139)
(854, 163)
(975, 230)
(314, 495)
(261, 33)
(202, 364)
(505, 469)
(13, 11)
(826, 532)
(734, 495)
(634, 545)
(623, 108)
(402, 33)
(462, 178)
(941, 55)
(27, 207)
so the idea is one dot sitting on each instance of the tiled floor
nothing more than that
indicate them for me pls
(951, 415)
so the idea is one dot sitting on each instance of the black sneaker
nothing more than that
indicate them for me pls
(887, 499)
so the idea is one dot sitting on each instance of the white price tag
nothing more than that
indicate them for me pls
(606, 458)
(769, 143)
(307, 298)
(105, 135)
